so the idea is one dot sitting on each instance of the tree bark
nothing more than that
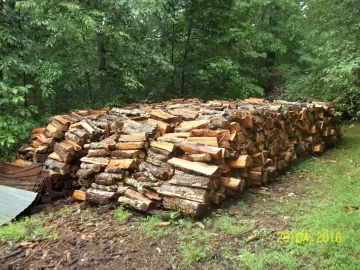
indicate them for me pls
(187, 47)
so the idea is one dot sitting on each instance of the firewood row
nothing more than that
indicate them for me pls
(181, 155)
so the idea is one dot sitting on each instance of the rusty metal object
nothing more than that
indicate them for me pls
(26, 177)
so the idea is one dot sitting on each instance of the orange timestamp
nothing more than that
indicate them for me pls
(307, 237)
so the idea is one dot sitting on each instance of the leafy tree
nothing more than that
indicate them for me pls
(16, 120)
(329, 60)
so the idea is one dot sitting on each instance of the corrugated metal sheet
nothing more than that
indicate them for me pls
(26, 177)
(13, 201)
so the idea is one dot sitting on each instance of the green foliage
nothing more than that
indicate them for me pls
(151, 227)
(194, 246)
(329, 61)
(232, 226)
(16, 119)
(121, 214)
(29, 227)
(111, 52)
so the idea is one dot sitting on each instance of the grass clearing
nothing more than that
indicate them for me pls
(28, 228)
(151, 227)
(194, 246)
(121, 214)
(232, 226)
(322, 213)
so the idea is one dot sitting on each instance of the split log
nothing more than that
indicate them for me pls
(65, 151)
(84, 173)
(216, 197)
(155, 158)
(163, 145)
(89, 129)
(98, 153)
(74, 138)
(81, 133)
(56, 124)
(61, 119)
(116, 170)
(55, 132)
(163, 172)
(184, 179)
(73, 144)
(151, 195)
(232, 183)
(185, 206)
(198, 157)
(258, 159)
(109, 176)
(100, 197)
(190, 125)
(221, 123)
(209, 141)
(235, 126)
(63, 168)
(185, 114)
(136, 204)
(243, 161)
(42, 149)
(105, 182)
(132, 112)
(105, 144)
(79, 195)
(102, 161)
(140, 185)
(162, 126)
(123, 163)
(195, 167)
(131, 127)
(131, 145)
(189, 193)
(194, 148)
(135, 137)
(220, 134)
(159, 114)
(177, 135)
(36, 132)
(146, 204)
(93, 167)
(127, 154)
(173, 140)
(145, 176)
(39, 158)
(113, 188)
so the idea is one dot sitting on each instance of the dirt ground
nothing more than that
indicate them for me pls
(89, 240)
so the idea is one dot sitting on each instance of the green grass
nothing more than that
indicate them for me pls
(321, 209)
(232, 225)
(121, 214)
(27, 228)
(151, 228)
(194, 246)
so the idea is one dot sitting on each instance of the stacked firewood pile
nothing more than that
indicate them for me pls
(182, 154)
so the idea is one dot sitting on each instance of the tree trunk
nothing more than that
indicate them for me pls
(187, 47)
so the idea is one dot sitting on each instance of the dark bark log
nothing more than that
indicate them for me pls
(189, 193)
(164, 172)
(84, 173)
(185, 206)
(184, 179)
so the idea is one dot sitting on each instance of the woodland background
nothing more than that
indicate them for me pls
(61, 55)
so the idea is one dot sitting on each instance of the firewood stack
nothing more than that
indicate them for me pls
(182, 154)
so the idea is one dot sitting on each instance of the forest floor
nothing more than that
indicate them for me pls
(308, 219)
